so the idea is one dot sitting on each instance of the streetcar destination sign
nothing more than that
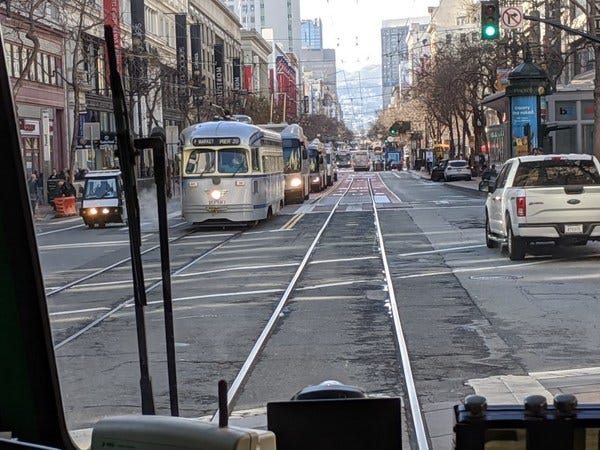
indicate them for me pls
(216, 141)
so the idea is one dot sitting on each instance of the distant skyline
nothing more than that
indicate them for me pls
(353, 27)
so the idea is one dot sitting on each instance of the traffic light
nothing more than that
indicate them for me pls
(490, 18)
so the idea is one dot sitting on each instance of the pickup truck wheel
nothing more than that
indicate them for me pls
(516, 245)
(489, 242)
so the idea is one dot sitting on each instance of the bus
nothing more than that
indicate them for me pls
(343, 159)
(361, 160)
(231, 172)
(295, 164)
(317, 165)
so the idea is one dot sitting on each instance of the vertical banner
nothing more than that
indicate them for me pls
(195, 41)
(111, 17)
(237, 75)
(138, 41)
(524, 124)
(248, 85)
(182, 56)
(219, 73)
(138, 25)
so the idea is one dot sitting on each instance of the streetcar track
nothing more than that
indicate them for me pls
(245, 371)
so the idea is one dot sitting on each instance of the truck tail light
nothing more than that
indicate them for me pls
(521, 207)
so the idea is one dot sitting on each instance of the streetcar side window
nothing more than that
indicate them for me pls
(200, 161)
(255, 159)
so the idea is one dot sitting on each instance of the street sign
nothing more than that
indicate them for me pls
(511, 17)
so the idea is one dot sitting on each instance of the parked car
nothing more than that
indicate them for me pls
(437, 171)
(457, 169)
(548, 198)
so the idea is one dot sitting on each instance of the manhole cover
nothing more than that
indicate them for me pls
(495, 277)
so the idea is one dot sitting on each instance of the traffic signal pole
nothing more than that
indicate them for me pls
(557, 24)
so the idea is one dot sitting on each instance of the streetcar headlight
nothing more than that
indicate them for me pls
(93, 211)
(105, 211)
(216, 195)
(295, 182)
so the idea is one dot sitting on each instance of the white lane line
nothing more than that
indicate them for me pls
(61, 229)
(337, 284)
(79, 311)
(441, 250)
(79, 245)
(358, 258)
(388, 188)
(408, 377)
(231, 269)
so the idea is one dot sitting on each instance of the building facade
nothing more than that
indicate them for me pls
(39, 86)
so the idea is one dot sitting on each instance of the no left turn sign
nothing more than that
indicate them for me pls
(511, 17)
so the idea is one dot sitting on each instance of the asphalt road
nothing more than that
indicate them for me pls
(467, 311)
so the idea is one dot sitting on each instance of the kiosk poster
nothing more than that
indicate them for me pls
(524, 124)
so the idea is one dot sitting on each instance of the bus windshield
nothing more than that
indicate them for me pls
(313, 158)
(292, 158)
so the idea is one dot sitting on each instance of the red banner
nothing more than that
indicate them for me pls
(111, 17)
(248, 78)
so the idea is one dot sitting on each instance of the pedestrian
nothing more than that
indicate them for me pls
(53, 175)
(40, 186)
(32, 185)
(67, 189)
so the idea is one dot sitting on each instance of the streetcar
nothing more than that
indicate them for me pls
(318, 167)
(296, 164)
(232, 172)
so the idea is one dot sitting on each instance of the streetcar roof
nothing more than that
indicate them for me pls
(103, 173)
(247, 133)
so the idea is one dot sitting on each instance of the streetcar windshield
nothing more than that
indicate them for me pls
(292, 157)
(200, 161)
(233, 161)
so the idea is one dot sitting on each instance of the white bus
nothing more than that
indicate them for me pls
(296, 164)
(231, 172)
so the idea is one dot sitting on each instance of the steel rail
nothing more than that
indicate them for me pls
(244, 372)
(408, 378)
(110, 267)
(152, 287)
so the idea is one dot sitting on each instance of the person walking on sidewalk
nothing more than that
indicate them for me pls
(32, 185)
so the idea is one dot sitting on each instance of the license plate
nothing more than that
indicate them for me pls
(570, 229)
(216, 202)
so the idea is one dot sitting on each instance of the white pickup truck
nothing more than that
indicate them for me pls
(552, 198)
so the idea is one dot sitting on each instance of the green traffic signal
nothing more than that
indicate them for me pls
(490, 20)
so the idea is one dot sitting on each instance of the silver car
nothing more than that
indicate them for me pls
(457, 170)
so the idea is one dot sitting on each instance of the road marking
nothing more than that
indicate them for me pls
(62, 229)
(79, 245)
(292, 222)
(79, 311)
(442, 250)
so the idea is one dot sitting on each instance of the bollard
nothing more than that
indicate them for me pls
(564, 425)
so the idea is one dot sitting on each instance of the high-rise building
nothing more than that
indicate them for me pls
(394, 54)
(282, 16)
(312, 34)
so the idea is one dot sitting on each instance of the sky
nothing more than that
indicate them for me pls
(353, 27)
